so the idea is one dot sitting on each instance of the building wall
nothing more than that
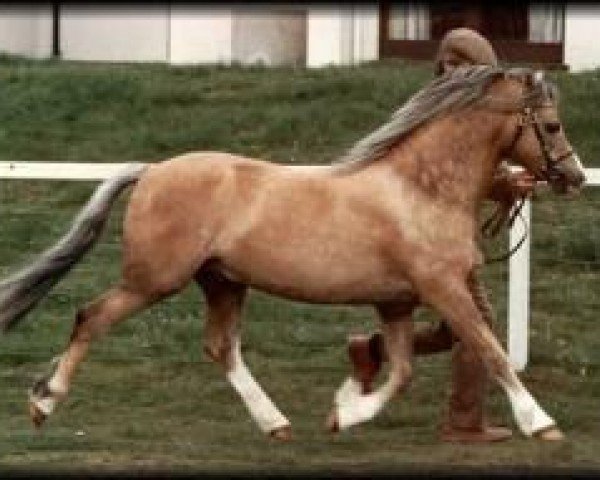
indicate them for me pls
(325, 36)
(273, 35)
(582, 27)
(26, 30)
(313, 35)
(114, 33)
(342, 35)
(178, 33)
(366, 33)
(200, 34)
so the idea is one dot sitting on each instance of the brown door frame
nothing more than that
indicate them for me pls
(508, 51)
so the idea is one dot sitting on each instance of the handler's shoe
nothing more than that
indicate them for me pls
(484, 434)
(365, 363)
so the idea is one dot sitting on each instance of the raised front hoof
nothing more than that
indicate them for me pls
(332, 424)
(550, 434)
(282, 434)
(38, 417)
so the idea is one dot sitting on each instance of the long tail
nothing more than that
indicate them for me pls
(20, 292)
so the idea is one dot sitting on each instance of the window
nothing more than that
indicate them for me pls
(519, 31)
(409, 21)
(546, 23)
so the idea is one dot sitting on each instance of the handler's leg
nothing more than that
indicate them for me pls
(465, 421)
(222, 343)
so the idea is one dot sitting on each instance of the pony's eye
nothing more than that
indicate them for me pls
(552, 127)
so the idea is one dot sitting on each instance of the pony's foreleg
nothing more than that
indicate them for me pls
(222, 343)
(351, 406)
(91, 321)
(454, 298)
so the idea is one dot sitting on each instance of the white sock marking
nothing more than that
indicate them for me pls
(46, 404)
(353, 407)
(530, 417)
(57, 387)
(57, 384)
(262, 409)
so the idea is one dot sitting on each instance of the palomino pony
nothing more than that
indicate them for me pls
(393, 224)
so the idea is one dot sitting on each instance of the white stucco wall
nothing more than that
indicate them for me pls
(26, 30)
(200, 34)
(366, 33)
(324, 37)
(248, 34)
(269, 34)
(582, 37)
(114, 33)
(195, 33)
(341, 35)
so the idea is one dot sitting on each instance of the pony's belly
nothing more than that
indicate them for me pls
(321, 285)
(333, 295)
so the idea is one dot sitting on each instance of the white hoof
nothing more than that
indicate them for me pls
(45, 405)
(552, 434)
(40, 408)
(283, 434)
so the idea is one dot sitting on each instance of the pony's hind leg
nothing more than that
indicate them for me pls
(91, 321)
(351, 406)
(224, 301)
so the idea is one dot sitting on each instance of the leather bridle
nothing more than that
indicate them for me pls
(529, 118)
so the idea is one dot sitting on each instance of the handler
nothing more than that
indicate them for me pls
(465, 420)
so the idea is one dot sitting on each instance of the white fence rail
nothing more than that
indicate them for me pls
(58, 170)
(518, 266)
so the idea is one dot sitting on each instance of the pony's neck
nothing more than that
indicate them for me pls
(452, 159)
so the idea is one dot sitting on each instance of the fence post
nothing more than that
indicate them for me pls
(518, 292)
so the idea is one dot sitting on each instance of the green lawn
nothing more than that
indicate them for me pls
(147, 397)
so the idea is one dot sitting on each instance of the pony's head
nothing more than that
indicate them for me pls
(537, 139)
(533, 134)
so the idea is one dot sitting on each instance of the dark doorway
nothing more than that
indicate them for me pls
(501, 21)
(505, 24)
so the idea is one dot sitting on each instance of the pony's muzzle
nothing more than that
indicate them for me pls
(571, 176)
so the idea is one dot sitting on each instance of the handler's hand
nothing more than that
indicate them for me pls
(521, 184)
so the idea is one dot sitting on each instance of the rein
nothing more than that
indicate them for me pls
(492, 226)
(500, 217)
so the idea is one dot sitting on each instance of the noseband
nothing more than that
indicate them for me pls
(528, 118)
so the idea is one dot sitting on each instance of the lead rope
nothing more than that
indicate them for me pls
(492, 226)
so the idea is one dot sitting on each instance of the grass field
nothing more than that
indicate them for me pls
(147, 397)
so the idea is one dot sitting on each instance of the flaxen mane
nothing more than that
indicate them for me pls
(455, 90)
